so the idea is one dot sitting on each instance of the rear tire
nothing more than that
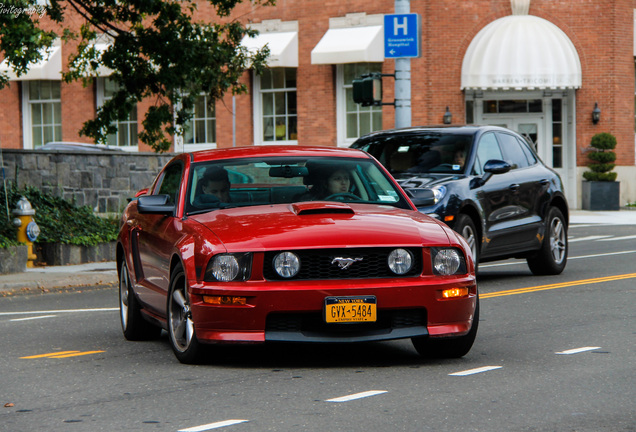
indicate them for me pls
(133, 324)
(553, 255)
(181, 331)
(456, 347)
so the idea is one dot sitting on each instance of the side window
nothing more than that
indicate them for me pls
(513, 152)
(525, 146)
(487, 149)
(170, 181)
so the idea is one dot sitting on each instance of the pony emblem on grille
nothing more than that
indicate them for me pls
(345, 263)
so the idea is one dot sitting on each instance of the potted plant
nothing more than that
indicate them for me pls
(601, 191)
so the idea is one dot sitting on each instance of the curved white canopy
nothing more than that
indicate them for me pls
(521, 52)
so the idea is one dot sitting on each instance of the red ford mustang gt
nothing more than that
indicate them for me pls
(292, 244)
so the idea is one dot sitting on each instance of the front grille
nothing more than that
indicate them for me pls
(318, 264)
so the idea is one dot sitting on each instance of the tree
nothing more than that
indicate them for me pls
(157, 49)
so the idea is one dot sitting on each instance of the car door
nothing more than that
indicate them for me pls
(496, 197)
(531, 194)
(156, 234)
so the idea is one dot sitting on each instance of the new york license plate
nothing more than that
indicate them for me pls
(351, 309)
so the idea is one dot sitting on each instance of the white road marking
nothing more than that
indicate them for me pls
(59, 311)
(32, 318)
(211, 426)
(357, 396)
(631, 237)
(569, 258)
(577, 350)
(588, 238)
(476, 370)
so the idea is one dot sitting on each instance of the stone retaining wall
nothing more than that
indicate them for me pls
(101, 180)
(13, 259)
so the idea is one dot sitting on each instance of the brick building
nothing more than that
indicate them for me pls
(536, 66)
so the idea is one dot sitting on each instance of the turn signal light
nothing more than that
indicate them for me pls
(455, 292)
(225, 300)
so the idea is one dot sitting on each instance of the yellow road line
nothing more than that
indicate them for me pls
(62, 354)
(557, 285)
(49, 354)
(77, 354)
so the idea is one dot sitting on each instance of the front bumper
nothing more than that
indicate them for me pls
(293, 311)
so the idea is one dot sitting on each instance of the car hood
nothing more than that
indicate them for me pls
(321, 224)
(421, 180)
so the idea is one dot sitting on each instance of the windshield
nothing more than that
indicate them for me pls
(422, 153)
(265, 181)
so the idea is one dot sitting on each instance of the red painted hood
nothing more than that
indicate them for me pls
(321, 224)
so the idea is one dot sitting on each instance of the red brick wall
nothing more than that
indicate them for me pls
(601, 30)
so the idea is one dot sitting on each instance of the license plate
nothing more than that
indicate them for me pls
(350, 309)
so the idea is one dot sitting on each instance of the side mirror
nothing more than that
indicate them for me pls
(421, 197)
(494, 166)
(155, 204)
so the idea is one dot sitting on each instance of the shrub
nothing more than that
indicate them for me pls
(60, 221)
(602, 158)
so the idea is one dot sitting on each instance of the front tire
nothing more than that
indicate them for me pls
(181, 331)
(466, 228)
(133, 325)
(553, 255)
(456, 347)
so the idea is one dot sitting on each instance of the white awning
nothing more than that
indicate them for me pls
(283, 47)
(350, 45)
(49, 68)
(521, 52)
(101, 71)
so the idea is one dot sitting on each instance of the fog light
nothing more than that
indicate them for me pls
(225, 300)
(455, 292)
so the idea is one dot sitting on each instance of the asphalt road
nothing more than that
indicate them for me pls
(552, 354)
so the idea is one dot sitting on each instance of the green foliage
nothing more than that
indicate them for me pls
(155, 48)
(603, 141)
(60, 221)
(602, 158)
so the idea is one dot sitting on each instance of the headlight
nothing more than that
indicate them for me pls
(400, 261)
(229, 267)
(448, 261)
(438, 193)
(286, 264)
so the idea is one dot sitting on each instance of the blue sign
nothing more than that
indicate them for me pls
(402, 35)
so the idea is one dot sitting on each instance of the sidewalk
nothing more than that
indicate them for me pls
(104, 274)
(40, 280)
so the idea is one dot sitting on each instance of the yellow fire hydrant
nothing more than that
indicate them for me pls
(28, 230)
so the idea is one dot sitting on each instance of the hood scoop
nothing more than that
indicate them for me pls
(321, 208)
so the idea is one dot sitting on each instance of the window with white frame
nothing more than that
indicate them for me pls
(43, 114)
(354, 120)
(201, 129)
(126, 134)
(275, 113)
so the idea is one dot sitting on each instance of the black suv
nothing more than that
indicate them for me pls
(485, 182)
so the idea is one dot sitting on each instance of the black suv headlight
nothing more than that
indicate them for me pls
(448, 261)
(229, 267)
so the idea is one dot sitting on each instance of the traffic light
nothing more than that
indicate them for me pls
(367, 90)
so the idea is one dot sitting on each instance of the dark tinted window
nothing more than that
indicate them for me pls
(423, 152)
(513, 153)
(170, 181)
(488, 149)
